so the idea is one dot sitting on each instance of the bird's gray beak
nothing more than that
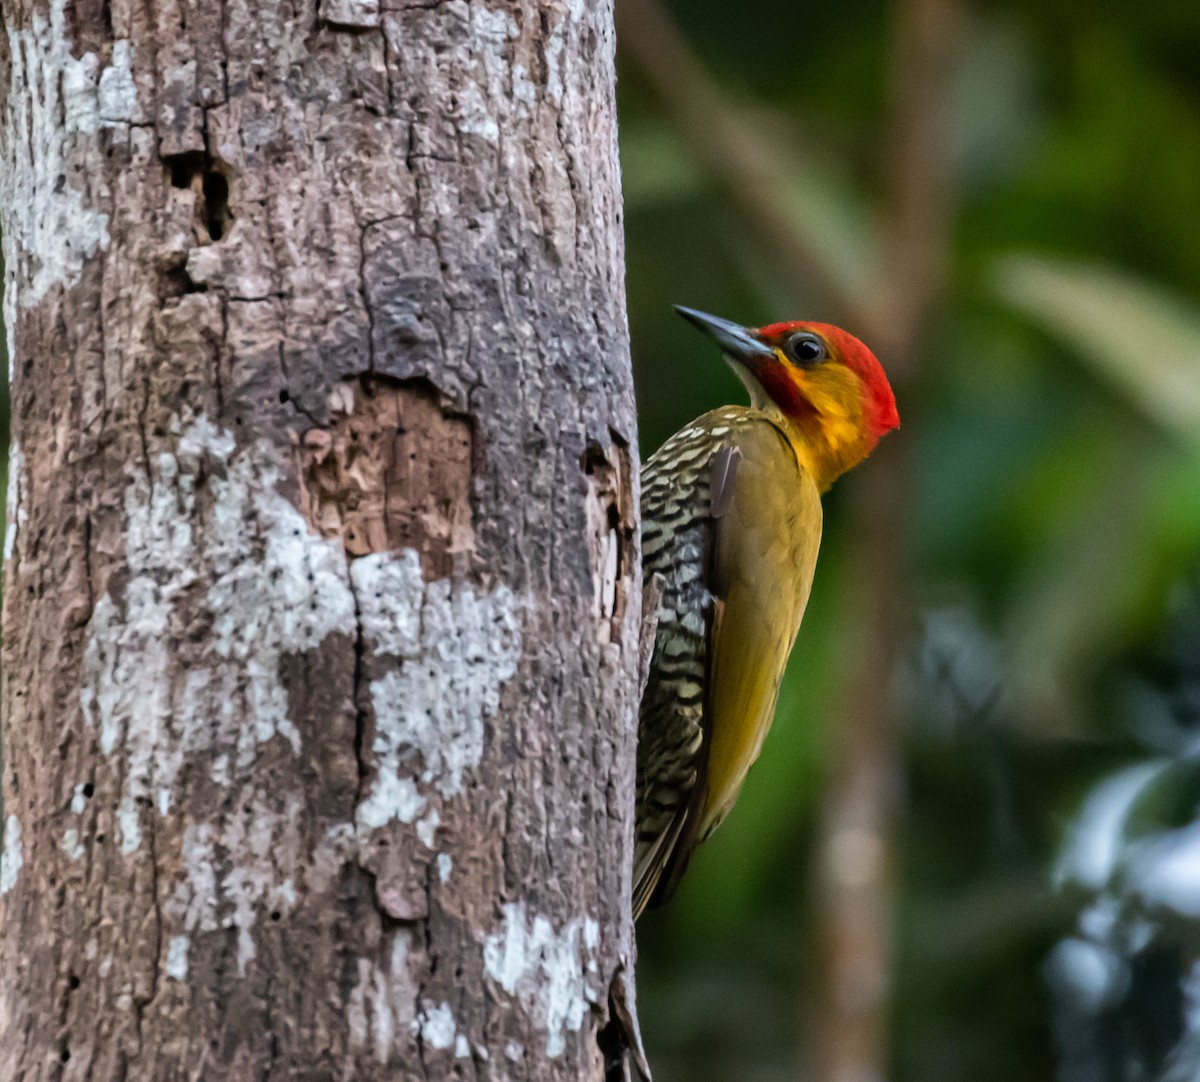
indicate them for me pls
(736, 341)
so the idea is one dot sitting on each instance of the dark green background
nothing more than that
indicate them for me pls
(1053, 426)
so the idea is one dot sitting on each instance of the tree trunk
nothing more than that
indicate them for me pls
(321, 592)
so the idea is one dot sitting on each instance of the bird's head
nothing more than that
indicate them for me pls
(822, 381)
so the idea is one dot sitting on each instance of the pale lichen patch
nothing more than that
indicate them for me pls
(206, 526)
(383, 1002)
(390, 588)
(460, 648)
(547, 971)
(230, 873)
(194, 903)
(117, 91)
(129, 824)
(71, 846)
(11, 858)
(476, 115)
(393, 797)
(210, 541)
(438, 1027)
(358, 14)
(57, 103)
(176, 966)
(14, 509)
(427, 828)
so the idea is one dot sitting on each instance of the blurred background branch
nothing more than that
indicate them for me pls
(858, 860)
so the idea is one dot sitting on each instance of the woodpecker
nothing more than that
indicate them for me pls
(731, 524)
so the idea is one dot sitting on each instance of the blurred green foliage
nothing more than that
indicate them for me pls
(1054, 538)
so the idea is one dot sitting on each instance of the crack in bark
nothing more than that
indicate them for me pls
(366, 300)
(359, 696)
(143, 413)
(268, 1067)
(218, 382)
(142, 1004)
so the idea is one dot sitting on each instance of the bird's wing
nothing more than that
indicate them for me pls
(676, 552)
(707, 709)
(764, 553)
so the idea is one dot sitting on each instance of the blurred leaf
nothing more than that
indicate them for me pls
(1143, 339)
(1092, 849)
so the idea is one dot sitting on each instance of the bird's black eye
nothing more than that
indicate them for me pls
(806, 349)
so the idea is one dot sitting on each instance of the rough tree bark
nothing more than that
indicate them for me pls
(320, 592)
